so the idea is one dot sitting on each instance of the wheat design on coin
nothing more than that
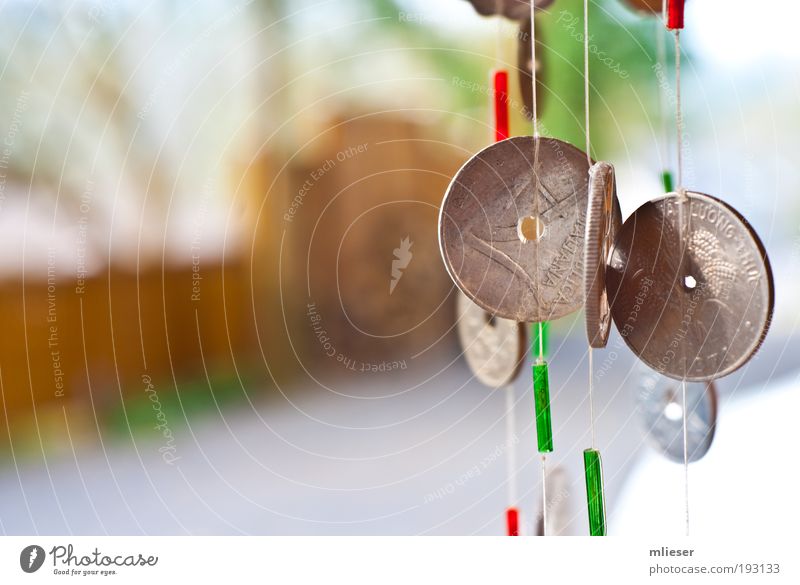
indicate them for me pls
(493, 347)
(491, 237)
(659, 401)
(699, 315)
(603, 221)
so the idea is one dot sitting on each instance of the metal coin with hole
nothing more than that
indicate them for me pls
(650, 6)
(513, 9)
(659, 403)
(511, 238)
(603, 221)
(695, 307)
(493, 347)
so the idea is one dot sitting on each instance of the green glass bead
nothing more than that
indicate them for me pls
(594, 492)
(545, 327)
(541, 392)
(666, 179)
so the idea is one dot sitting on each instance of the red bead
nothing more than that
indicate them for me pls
(500, 81)
(675, 14)
(512, 521)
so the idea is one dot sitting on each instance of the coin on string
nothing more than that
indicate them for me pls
(603, 221)
(696, 305)
(651, 6)
(557, 491)
(511, 238)
(659, 403)
(525, 70)
(513, 9)
(493, 347)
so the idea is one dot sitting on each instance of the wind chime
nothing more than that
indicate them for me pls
(530, 231)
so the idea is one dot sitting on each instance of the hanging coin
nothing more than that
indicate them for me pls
(558, 512)
(524, 69)
(659, 401)
(698, 315)
(603, 222)
(493, 347)
(513, 9)
(512, 239)
(655, 6)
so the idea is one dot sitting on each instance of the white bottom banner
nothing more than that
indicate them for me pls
(402, 560)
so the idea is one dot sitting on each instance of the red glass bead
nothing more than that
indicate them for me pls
(675, 14)
(512, 521)
(500, 81)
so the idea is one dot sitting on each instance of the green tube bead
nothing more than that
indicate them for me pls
(541, 392)
(594, 492)
(666, 179)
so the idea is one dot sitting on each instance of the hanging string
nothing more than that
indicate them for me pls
(683, 200)
(586, 88)
(512, 517)
(661, 57)
(540, 328)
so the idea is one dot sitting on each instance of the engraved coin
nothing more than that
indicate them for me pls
(493, 347)
(525, 72)
(659, 401)
(513, 9)
(697, 315)
(512, 239)
(603, 221)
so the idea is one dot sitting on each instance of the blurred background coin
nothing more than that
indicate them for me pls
(659, 402)
(493, 347)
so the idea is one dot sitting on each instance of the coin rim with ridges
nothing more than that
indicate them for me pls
(599, 222)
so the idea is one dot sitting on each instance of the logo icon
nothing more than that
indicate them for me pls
(31, 558)
(402, 257)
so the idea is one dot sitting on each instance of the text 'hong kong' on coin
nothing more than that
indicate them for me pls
(690, 287)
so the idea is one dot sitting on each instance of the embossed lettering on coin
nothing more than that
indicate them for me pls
(512, 239)
(697, 315)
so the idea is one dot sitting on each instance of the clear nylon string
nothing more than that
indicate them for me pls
(511, 450)
(535, 122)
(586, 88)
(683, 200)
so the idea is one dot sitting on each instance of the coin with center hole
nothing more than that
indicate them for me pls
(603, 221)
(493, 347)
(512, 239)
(513, 9)
(695, 307)
(659, 402)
